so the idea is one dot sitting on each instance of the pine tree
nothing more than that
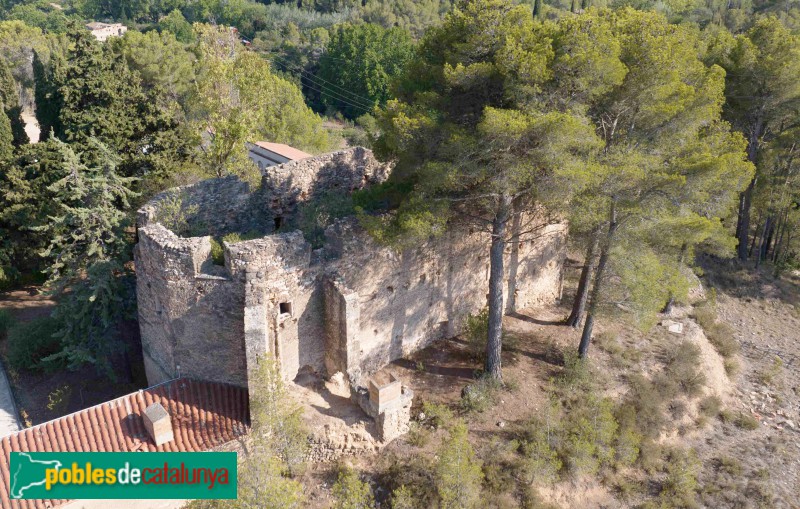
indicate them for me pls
(489, 122)
(26, 202)
(762, 94)
(10, 105)
(6, 137)
(278, 441)
(91, 92)
(359, 64)
(665, 152)
(88, 249)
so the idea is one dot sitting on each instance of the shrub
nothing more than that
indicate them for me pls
(705, 315)
(771, 374)
(680, 487)
(532, 500)
(417, 435)
(628, 445)
(403, 498)
(590, 432)
(651, 456)
(58, 400)
(262, 484)
(6, 321)
(498, 474)
(476, 330)
(576, 370)
(681, 368)
(726, 415)
(645, 405)
(217, 252)
(174, 215)
(541, 462)
(232, 238)
(314, 215)
(710, 406)
(729, 465)
(745, 421)
(437, 414)
(350, 492)
(410, 477)
(626, 488)
(732, 367)
(721, 336)
(458, 472)
(30, 342)
(480, 395)
(278, 425)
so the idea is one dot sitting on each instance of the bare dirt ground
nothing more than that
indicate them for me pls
(765, 315)
(31, 126)
(43, 396)
(739, 467)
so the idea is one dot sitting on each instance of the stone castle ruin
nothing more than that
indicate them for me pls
(349, 306)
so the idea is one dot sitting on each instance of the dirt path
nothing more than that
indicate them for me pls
(31, 127)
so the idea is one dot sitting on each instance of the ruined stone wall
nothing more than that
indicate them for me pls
(352, 306)
(283, 304)
(407, 300)
(210, 207)
(190, 311)
(344, 171)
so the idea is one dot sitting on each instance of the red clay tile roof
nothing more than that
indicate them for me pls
(286, 151)
(204, 415)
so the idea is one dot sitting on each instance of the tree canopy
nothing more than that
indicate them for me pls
(359, 64)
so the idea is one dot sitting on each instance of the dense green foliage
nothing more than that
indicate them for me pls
(644, 124)
(237, 99)
(499, 110)
(32, 342)
(359, 64)
(350, 492)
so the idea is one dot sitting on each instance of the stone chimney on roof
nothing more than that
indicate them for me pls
(158, 423)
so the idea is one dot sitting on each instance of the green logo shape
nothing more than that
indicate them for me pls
(123, 475)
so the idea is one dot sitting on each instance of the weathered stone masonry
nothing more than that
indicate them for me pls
(352, 306)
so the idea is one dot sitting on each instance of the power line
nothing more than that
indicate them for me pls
(357, 107)
(367, 103)
(362, 101)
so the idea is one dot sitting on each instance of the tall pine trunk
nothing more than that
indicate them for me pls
(582, 295)
(765, 236)
(494, 342)
(783, 218)
(746, 198)
(586, 337)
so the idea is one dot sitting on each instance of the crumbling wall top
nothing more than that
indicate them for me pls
(213, 206)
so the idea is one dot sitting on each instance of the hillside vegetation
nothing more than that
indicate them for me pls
(665, 133)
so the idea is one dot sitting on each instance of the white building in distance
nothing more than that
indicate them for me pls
(266, 154)
(102, 31)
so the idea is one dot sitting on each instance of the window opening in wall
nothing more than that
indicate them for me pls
(285, 308)
(278, 222)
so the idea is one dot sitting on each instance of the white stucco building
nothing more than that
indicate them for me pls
(266, 154)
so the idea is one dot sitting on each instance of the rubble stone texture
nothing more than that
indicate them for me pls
(351, 306)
